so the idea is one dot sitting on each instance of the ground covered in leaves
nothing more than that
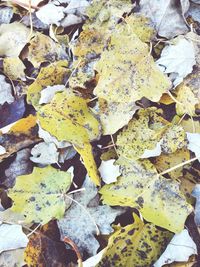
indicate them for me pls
(100, 133)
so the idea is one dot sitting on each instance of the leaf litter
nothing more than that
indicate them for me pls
(100, 167)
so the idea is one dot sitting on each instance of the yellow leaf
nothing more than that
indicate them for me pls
(51, 75)
(39, 196)
(136, 244)
(68, 118)
(14, 68)
(127, 71)
(24, 125)
(89, 162)
(43, 49)
(158, 199)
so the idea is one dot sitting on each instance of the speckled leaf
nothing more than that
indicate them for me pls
(158, 199)
(48, 76)
(79, 226)
(145, 131)
(138, 243)
(40, 196)
(89, 162)
(68, 118)
(131, 60)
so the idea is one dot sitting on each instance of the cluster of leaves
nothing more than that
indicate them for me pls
(99, 141)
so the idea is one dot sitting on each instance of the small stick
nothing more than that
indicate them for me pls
(75, 248)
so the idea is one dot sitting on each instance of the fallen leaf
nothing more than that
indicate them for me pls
(89, 162)
(6, 14)
(13, 38)
(48, 76)
(180, 248)
(87, 212)
(167, 16)
(108, 171)
(48, 93)
(45, 249)
(193, 143)
(20, 166)
(159, 200)
(12, 258)
(5, 91)
(71, 119)
(178, 58)
(44, 153)
(51, 14)
(14, 68)
(94, 260)
(136, 243)
(12, 237)
(196, 194)
(31, 194)
(143, 133)
(141, 78)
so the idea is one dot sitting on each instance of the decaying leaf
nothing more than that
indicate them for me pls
(44, 247)
(12, 237)
(68, 118)
(87, 211)
(48, 93)
(196, 194)
(145, 131)
(180, 248)
(5, 91)
(22, 134)
(138, 243)
(14, 68)
(132, 61)
(159, 200)
(40, 195)
(43, 49)
(13, 38)
(12, 258)
(51, 75)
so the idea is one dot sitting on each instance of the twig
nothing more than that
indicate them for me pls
(75, 248)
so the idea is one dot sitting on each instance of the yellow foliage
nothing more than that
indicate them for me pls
(24, 125)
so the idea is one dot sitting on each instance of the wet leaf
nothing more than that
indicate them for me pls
(40, 195)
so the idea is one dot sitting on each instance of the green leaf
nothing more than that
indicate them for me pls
(137, 245)
(68, 118)
(39, 196)
(158, 199)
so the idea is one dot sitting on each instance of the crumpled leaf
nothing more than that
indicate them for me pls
(48, 76)
(14, 68)
(12, 140)
(180, 248)
(83, 233)
(145, 132)
(138, 243)
(48, 93)
(13, 38)
(159, 200)
(44, 153)
(141, 78)
(5, 91)
(68, 118)
(167, 16)
(108, 171)
(12, 237)
(40, 195)
(50, 14)
(89, 162)
(44, 247)
(12, 258)
(43, 49)
(178, 58)
(20, 166)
